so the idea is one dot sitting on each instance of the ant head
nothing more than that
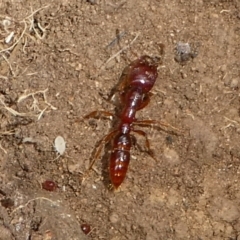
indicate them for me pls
(143, 73)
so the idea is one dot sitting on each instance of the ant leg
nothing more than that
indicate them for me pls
(97, 115)
(122, 83)
(99, 147)
(160, 124)
(134, 142)
(147, 143)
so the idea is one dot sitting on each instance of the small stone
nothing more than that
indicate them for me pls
(171, 156)
(114, 218)
(225, 209)
(74, 168)
(223, 68)
(234, 83)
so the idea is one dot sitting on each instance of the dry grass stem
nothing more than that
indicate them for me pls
(11, 132)
(1, 147)
(55, 203)
(34, 107)
(120, 51)
(28, 27)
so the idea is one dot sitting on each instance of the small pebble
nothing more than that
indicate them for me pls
(60, 145)
(49, 185)
(114, 218)
(234, 83)
(86, 228)
(171, 156)
(93, 2)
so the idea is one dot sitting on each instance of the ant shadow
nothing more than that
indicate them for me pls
(105, 166)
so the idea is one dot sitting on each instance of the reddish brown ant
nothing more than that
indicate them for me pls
(136, 82)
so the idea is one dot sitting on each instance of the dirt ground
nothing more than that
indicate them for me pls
(59, 60)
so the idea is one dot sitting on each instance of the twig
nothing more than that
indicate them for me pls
(1, 147)
(3, 77)
(120, 51)
(14, 112)
(34, 199)
(39, 9)
(230, 120)
(34, 105)
(119, 36)
(14, 44)
(11, 132)
(9, 64)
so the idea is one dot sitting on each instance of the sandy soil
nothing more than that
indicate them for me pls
(55, 68)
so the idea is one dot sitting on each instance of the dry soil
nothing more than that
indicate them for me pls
(59, 60)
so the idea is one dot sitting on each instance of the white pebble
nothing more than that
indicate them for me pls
(9, 38)
(114, 218)
(234, 83)
(60, 145)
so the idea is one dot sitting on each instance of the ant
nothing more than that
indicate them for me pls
(136, 81)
